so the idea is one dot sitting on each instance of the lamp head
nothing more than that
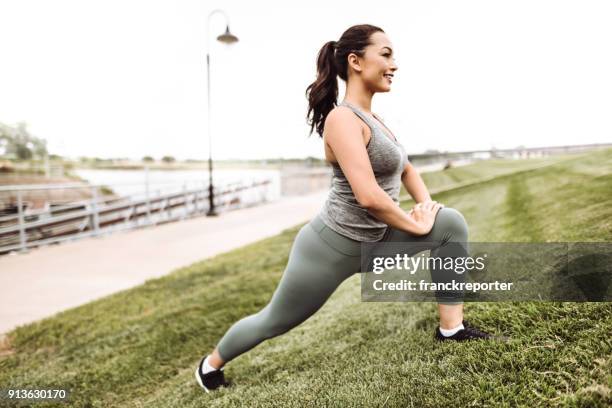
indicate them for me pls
(227, 37)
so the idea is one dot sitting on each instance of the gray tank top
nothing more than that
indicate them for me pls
(341, 211)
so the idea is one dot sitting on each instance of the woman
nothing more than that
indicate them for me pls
(369, 165)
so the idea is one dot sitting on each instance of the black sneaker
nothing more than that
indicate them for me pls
(211, 380)
(469, 332)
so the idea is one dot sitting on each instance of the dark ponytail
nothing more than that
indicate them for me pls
(332, 61)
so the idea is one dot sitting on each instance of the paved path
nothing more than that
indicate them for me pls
(47, 280)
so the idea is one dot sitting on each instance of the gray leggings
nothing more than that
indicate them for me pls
(319, 261)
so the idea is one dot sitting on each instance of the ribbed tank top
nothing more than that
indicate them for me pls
(341, 211)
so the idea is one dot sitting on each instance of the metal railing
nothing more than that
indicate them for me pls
(101, 215)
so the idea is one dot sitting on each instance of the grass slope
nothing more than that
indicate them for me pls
(139, 347)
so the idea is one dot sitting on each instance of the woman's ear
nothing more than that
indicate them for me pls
(354, 62)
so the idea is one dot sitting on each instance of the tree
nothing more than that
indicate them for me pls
(148, 159)
(18, 143)
(168, 159)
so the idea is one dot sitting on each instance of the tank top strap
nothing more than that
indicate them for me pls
(359, 113)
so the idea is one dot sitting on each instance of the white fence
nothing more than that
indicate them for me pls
(29, 228)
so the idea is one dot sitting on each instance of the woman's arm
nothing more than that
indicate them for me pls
(414, 184)
(343, 135)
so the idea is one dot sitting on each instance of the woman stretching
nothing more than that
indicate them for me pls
(369, 165)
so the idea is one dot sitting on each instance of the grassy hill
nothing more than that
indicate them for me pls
(139, 347)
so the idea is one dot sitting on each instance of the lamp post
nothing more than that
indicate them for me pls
(227, 38)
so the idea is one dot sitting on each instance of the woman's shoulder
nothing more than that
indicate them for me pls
(340, 112)
(342, 116)
(341, 123)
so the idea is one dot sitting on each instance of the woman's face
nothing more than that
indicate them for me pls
(378, 63)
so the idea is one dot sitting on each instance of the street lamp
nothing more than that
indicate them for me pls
(227, 38)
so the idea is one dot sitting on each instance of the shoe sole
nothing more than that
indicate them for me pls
(199, 380)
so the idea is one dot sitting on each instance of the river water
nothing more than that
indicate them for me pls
(134, 182)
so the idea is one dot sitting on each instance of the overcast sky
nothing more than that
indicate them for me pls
(128, 78)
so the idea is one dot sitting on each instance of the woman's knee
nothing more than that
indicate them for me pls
(452, 222)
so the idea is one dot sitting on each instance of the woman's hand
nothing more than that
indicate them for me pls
(424, 215)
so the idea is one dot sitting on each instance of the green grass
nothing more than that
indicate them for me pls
(139, 347)
(478, 171)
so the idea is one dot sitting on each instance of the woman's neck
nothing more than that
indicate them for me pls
(360, 100)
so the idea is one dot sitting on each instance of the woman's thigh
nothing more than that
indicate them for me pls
(313, 272)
